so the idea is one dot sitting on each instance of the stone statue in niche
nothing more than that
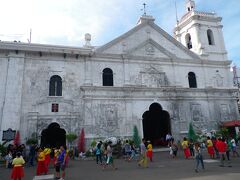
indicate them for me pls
(218, 80)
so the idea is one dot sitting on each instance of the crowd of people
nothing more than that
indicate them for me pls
(217, 148)
(17, 157)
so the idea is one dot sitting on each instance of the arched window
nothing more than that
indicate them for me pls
(107, 77)
(55, 86)
(192, 80)
(188, 41)
(210, 37)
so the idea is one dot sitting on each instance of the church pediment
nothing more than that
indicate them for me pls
(147, 39)
(150, 48)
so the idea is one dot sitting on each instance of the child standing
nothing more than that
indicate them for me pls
(149, 150)
(170, 150)
(18, 172)
(174, 148)
(9, 160)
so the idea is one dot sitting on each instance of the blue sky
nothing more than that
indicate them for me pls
(64, 22)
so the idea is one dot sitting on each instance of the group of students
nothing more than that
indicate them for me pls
(59, 160)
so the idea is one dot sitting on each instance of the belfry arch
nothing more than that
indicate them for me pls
(156, 124)
(53, 136)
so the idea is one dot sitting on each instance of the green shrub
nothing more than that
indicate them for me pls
(31, 141)
(3, 150)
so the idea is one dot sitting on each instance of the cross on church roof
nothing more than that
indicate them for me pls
(144, 8)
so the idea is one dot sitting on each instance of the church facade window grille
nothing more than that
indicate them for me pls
(107, 77)
(188, 41)
(55, 86)
(192, 80)
(210, 37)
(55, 107)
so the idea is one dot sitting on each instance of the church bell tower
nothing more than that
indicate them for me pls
(201, 32)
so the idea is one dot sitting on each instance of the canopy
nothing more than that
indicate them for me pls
(231, 123)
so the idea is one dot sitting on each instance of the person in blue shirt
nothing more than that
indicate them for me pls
(61, 163)
(99, 153)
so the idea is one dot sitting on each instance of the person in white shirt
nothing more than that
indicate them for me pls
(234, 148)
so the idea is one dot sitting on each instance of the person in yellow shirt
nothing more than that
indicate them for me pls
(41, 166)
(18, 172)
(185, 147)
(47, 152)
(143, 161)
(210, 147)
(149, 150)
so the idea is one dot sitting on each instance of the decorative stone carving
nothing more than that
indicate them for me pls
(196, 112)
(218, 80)
(151, 77)
(37, 123)
(42, 124)
(224, 112)
(149, 49)
(124, 47)
(106, 118)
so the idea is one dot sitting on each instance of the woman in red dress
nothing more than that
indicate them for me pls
(210, 147)
(185, 146)
(41, 166)
(18, 172)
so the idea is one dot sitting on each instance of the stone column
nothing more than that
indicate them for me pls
(126, 71)
(88, 71)
(11, 110)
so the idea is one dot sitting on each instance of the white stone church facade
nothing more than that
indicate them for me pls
(106, 89)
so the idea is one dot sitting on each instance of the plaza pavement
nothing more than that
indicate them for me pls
(163, 167)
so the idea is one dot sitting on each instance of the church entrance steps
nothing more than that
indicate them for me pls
(161, 149)
(44, 177)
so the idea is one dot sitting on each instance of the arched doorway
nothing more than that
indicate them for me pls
(156, 124)
(53, 136)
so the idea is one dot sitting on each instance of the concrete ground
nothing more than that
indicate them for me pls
(163, 167)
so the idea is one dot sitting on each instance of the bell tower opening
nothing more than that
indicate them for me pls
(156, 124)
(53, 136)
(190, 5)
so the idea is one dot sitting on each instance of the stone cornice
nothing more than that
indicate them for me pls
(168, 92)
(30, 47)
(133, 59)
(197, 16)
(165, 88)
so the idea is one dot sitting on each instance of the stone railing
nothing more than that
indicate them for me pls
(192, 13)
